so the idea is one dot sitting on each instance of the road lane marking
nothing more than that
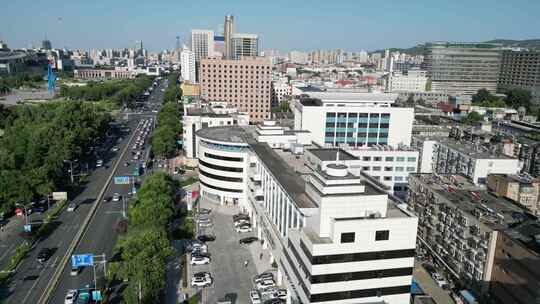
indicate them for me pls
(7, 251)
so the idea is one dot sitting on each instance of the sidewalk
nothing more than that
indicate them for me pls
(429, 286)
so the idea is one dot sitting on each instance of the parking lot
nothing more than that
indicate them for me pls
(232, 280)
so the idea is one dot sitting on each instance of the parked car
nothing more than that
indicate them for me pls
(241, 222)
(39, 208)
(239, 216)
(265, 283)
(71, 296)
(116, 197)
(254, 297)
(281, 294)
(199, 260)
(201, 279)
(75, 271)
(204, 211)
(206, 238)
(71, 207)
(248, 240)
(205, 224)
(244, 228)
(439, 279)
(198, 246)
(43, 255)
(204, 220)
(264, 276)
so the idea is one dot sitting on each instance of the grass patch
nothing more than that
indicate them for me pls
(20, 253)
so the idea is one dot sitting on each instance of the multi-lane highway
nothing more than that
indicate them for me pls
(48, 283)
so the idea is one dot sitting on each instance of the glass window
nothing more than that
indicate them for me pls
(330, 124)
(411, 169)
(398, 178)
(387, 168)
(389, 158)
(411, 159)
(328, 115)
(382, 235)
(387, 178)
(399, 169)
(376, 168)
(347, 237)
(366, 158)
(400, 159)
(365, 168)
(377, 158)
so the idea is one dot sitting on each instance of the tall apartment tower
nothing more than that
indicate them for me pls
(187, 61)
(245, 84)
(202, 44)
(228, 33)
(244, 45)
(462, 68)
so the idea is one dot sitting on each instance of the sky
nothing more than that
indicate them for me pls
(281, 24)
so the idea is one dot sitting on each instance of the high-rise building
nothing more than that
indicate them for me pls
(521, 69)
(244, 45)
(245, 84)
(462, 68)
(219, 46)
(187, 61)
(202, 44)
(228, 34)
(46, 44)
(298, 57)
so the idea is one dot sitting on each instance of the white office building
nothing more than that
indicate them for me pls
(211, 114)
(335, 236)
(244, 45)
(449, 156)
(298, 57)
(187, 61)
(412, 81)
(280, 89)
(202, 44)
(353, 119)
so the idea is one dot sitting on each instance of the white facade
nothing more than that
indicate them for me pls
(187, 61)
(217, 114)
(202, 44)
(414, 81)
(298, 57)
(354, 119)
(335, 236)
(244, 45)
(280, 89)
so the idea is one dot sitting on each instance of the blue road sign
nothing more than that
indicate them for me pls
(121, 180)
(78, 260)
(27, 228)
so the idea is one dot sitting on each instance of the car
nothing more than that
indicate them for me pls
(71, 207)
(254, 297)
(199, 260)
(244, 228)
(126, 164)
(265, 283)
(264, 276)
(241, 222)
(206, 238)
(99, 163)
(273, 301)
(43, 255)
(136, 157)
(240, 216)
(115, 148)
(268, 292)
(198, 246)
(248, 240)
(31, 277)
(71, 296)
(116, 197)
(204, 211)
(74, 271)
(204, 220)
(39, 208)
(281, 294)
(201, 279)
(439, 279)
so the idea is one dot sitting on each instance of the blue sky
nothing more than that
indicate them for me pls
(281, 24)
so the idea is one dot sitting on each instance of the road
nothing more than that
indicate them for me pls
(102, 234)
(31, 279)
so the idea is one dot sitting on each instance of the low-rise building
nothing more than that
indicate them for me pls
(104, 74)
(411, 81)
(459, 224)
(522, 189)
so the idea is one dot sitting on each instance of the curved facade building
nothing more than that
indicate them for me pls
(223, 164)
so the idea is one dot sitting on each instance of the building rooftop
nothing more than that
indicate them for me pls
(494, 212)
(328, 97)
(472, 150)
(331, 154)
(225, 134)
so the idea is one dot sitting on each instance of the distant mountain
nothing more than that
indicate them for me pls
(532, 44)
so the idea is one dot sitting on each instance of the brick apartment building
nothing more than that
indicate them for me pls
(244, 84)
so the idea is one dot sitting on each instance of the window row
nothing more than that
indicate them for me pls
(389, 169)
(360, 293)
(221, 178)
(221, 168)
(219, 188)
(388, 158)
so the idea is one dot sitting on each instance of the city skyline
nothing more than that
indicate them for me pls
(369, 26)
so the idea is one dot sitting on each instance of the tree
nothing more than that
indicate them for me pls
(473, 117)
(482, 95)
(516, 98)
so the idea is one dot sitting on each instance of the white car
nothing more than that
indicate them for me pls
(116, 197)
(205, 224)
(199, 246)
(71, 207)
(115, 148)
(201, 279)
(200, 260)
(71, 296)
(439, 279)
(265, 284)
(254, 297)
(244, 228)
(99, 163)
(241, 222)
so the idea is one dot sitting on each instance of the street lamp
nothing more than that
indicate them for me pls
(70, 168)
